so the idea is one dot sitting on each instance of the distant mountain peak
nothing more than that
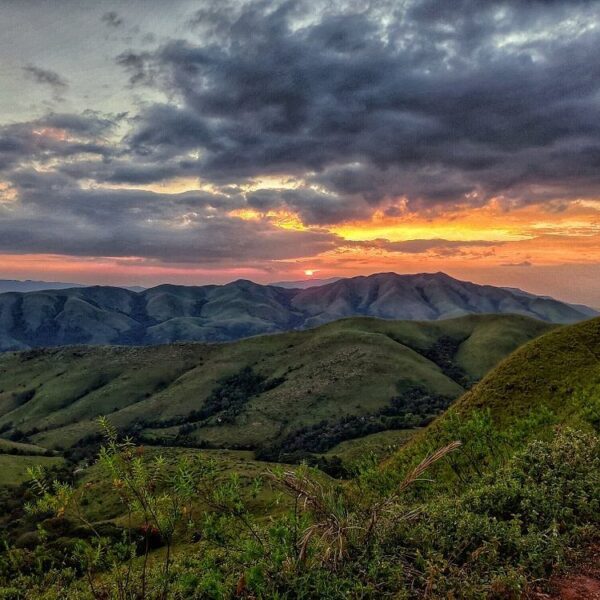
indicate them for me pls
(243, 308)
(305, 283)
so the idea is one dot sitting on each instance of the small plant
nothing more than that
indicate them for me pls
(157, 499)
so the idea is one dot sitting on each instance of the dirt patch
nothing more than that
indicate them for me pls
(582, 583)
(578, 587)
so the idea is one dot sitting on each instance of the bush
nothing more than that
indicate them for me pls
(516, 524)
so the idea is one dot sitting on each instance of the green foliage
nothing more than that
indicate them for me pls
(159, 499)
(227, 399)
(515, 519)
(589, 400)
(516, 524)
(413, 407)
(514, 503)
(551, 381)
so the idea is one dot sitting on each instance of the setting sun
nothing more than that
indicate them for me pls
(309, 272)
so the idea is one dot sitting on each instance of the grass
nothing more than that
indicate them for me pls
(380, 445)
(102, 504)
(10, 447)
(552, 381)
(13, 469)
(560, 370)
(350, 367)
(505, 508)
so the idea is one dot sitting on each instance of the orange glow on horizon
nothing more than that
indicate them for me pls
(510, 243)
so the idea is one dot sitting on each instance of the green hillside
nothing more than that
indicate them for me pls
(506, 510)
(553, 381)
(282, 393)
(560, 370)
(14, 469)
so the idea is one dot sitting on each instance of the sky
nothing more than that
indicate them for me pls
(144, 141)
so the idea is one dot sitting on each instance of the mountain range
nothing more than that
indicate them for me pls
(30, 285)
(218, 313)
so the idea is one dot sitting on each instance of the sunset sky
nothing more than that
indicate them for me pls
(145, 141)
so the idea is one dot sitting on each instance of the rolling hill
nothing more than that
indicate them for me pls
(552, 381)
(167, 313)
(280, 394)
(559, 371)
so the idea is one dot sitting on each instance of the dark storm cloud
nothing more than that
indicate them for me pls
(55, 137)
(139, 66)
(87, 123)
(314, 208)
(171, 228)
(492, 97)
(414, 106)
(120, 171)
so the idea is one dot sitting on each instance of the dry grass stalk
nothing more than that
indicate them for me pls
(380, 507)
(333, 521)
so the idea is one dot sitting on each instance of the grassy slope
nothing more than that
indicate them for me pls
(103, 504)
(9, 447)
(348, 367)
(554, 371)
(380, 445)
(558, 371)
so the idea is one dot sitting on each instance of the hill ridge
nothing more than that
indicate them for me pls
(239, 309)
(551, 381)
(352, 368)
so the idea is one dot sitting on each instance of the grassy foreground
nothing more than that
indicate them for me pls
(499, 493)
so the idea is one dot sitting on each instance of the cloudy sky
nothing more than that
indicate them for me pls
(144, 141)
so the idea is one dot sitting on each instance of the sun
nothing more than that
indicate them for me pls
(309, 272)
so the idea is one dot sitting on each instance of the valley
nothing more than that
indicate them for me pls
(224, 433)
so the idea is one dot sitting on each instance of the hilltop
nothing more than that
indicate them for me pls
(168, 313)
(559, 371)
